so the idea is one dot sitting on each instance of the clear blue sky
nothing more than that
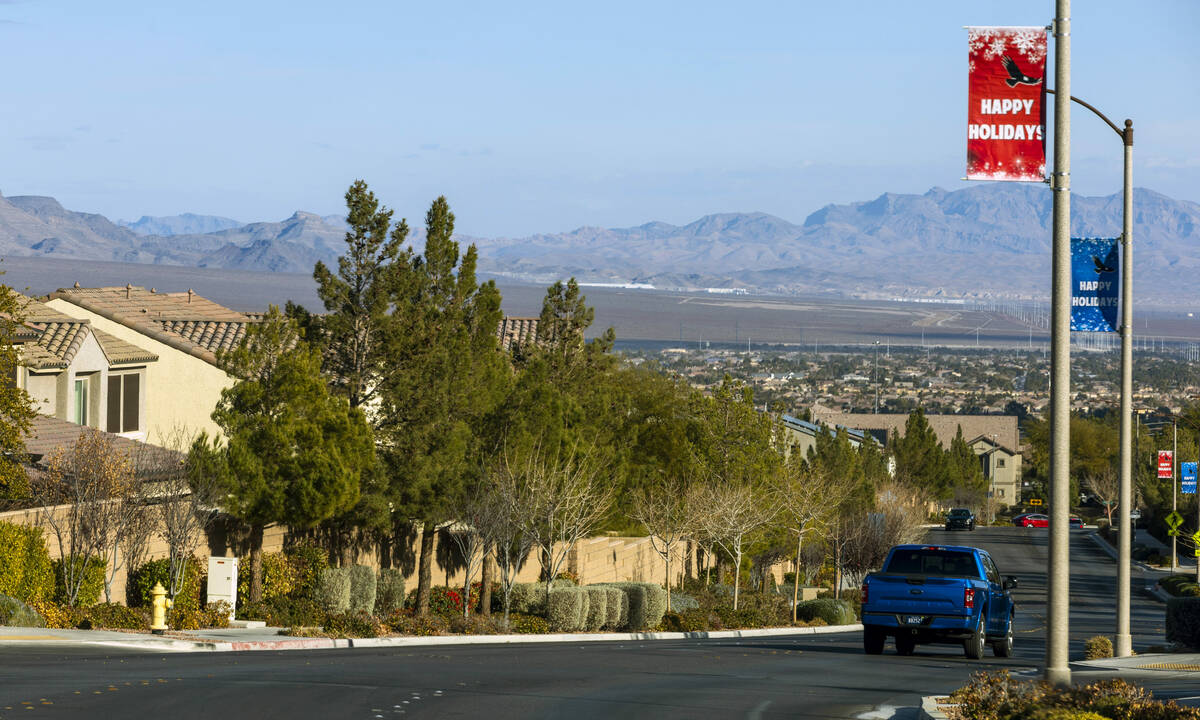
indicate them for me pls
(541, 117)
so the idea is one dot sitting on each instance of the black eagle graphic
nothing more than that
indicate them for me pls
(1101, 267)
(1015, 76)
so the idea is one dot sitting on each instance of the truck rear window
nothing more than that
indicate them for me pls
(921, 561)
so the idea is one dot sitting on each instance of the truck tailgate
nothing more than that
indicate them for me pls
(917, 595)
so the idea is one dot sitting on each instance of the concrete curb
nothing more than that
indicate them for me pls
(930, 710)
(1112, 553)
(286, 643)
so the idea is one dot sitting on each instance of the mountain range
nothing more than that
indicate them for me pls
(982, 241)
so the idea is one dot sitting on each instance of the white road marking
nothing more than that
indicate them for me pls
(757, 712)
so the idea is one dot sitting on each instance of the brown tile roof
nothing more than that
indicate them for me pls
(1004, 427)
(517, 331)
(120, 352)
(49, 434)
(183, 320)
(50, 339)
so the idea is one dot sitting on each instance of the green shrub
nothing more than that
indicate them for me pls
(472, 625)
(528, 598)
(682, 601)
(527, 624)
(25, 569)
(647, 604)
(215, 615)
(1097, 647)
(15, 613)
(279, 577)
(1183, 621)
(617, 608)
(656, 605)
(389, 591)
(1180, 586)
(997, 696)
(566, 611)
(694, 620)
(353, 625)
(143, 579)
(597, 608)
(307, 562)
(403, 622)
(333, 590)
(833, 612)
(89, 588)
(113, 616)
(362, 589)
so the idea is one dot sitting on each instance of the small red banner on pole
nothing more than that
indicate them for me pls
(1166, 464)
(1006, 108)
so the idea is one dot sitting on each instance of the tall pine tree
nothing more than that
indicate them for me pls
(449, 374)
(293, 453)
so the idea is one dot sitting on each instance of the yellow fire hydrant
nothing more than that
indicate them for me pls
(159, 602)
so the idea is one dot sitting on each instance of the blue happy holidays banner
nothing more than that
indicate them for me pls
(1187, 475)
(1095, 284)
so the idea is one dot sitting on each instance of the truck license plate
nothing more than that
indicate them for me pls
(914, 619)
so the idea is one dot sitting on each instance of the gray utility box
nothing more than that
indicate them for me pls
(222, 581)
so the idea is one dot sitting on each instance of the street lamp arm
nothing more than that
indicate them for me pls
(1128, 123)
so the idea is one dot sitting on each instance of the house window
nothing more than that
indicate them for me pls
(999, 462)
(1000, 492)
(81, 402)
(123, 402)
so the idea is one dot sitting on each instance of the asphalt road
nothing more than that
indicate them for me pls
(794, 676)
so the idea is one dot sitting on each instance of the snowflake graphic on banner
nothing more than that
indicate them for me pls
(991, 43)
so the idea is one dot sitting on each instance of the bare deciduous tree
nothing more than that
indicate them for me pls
(78, 497)
(808, 497)
(735, 513)
(469, 536)
(184, 493)
(568, 497)
(129, 527)
(896, 520)
(1106, 486)
(504, 517)
(663, 509)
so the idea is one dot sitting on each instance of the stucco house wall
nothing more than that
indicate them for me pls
(181, 390)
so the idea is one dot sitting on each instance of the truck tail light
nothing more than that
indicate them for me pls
(969, 598)
(864, 594)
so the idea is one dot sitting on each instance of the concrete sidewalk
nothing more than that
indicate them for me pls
(1174, 662)
(250, 639)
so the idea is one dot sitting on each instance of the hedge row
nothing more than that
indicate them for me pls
(1183, 621)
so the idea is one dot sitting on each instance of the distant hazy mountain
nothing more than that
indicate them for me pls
(982, 241)
(185, 224)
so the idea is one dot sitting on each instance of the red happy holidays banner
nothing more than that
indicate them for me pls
(1006, 108)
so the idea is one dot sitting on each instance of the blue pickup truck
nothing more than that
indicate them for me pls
(938, 594)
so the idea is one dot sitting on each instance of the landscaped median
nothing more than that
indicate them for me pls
(997, 696)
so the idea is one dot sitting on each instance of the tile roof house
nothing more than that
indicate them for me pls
(48, 435)
(515, 331)
(802, 435)
(79, 373)
(184, 330)
(882, 425)
(995, 439)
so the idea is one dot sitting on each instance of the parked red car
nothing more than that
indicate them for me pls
(1035, 520)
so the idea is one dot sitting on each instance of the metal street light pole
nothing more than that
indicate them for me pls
(1124, 641)
(1124, 644)
(1057, 671)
